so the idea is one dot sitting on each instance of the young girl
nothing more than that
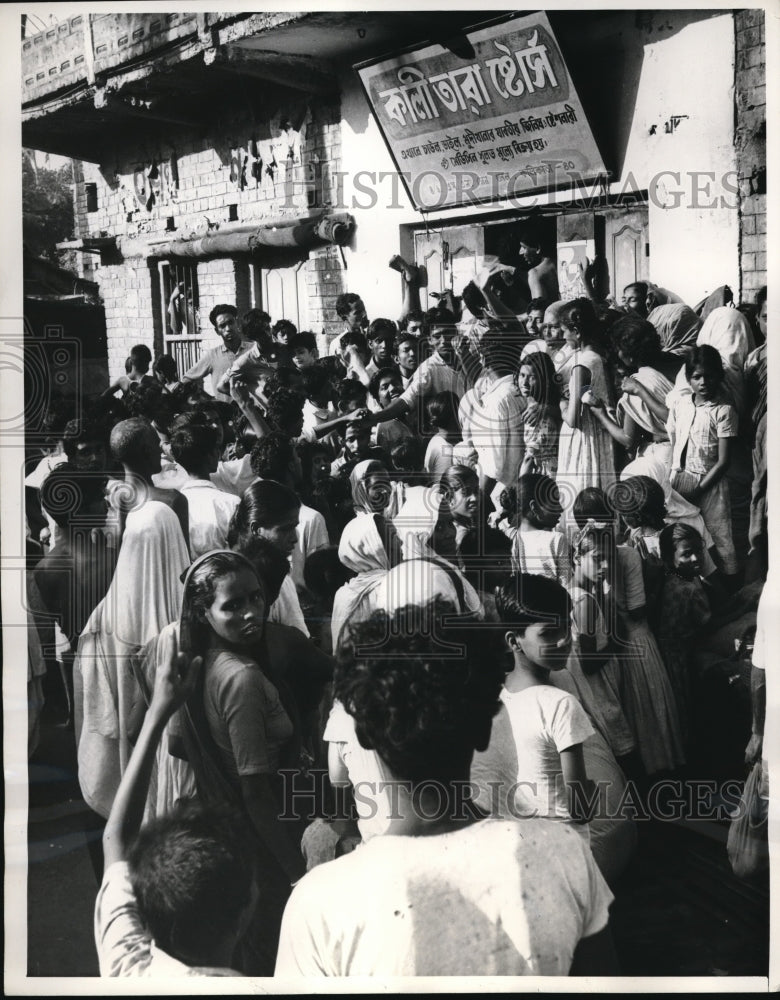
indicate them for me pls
(701, 427)
(585, 452)
(684, 609)
(592, 664)
(442, 411)
(535, 755)
(537, 383)
(536, 548)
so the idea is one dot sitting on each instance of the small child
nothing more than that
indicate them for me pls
(701, 426)
(385, 387)
(356, 447)
(537, 384)
(442, 412)
(166, 372)
(536, 547)
(535, 755)
(283, 331)
(685, 609)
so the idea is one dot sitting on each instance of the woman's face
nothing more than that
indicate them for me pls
(594, 564)
(283, 536)
(687, 559)
(320, 467)
(379, 491)
(465, 502)
(527, 382)
(237, 612)
(571, 335)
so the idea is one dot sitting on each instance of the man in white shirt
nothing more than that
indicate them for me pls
(351, 310)
(442, 891)
(217, 361)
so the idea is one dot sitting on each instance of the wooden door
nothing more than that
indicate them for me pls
(452, 257)
(627, 247)
(282, 293)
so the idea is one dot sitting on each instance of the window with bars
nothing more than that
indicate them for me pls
(180, 312)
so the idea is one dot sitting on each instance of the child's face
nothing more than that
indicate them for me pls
(379, 491)
(545, 645)
(527, 382)
(594, 564)
(687, 559)
(703, 382)
(283, 536)
(415, 327)
(465, 502)
(389, 388)
(304, 358)
(380, 350)
(356, 440)
(406, 359)
(320, 467)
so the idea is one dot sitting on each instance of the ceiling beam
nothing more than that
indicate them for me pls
(292, 71)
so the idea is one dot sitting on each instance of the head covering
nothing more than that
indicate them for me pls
(362, 550)
(722, 296)
(357, 481)
(677, 326)
(728, 331)
(659, 387)
(416, 522)
(661, 296)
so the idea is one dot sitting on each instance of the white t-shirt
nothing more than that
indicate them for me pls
(367, 773)
(544, 721)
(312, 535)
(438, 457)
(543, 553)
(210, 511)
(497, 898)
(286, 609)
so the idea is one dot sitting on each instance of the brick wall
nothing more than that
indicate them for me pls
(750, 141)
(205, 195)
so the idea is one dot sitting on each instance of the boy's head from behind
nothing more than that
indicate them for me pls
(140, 358)
(193, 877)
(196, 446)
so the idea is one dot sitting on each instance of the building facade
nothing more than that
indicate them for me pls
(236, 158)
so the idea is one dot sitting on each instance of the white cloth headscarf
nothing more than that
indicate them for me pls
(659, 387)
(361, 549)
(144, 596)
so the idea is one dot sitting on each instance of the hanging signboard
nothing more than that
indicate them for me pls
(504, 121)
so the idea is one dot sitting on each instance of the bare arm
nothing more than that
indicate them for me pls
(718, 471)
(656, 407)
(626, 436)
(576, 778)
(571, 408)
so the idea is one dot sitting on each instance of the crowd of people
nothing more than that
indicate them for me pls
(363, 647)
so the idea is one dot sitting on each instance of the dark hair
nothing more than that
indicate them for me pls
(707, 357)
(351, 391)
(220, 310)
(78, 431)
(131, 441)
(637, 339)
(192, 875)
(641, 285)
(407, 456)
(272, 457)
(143, 400)
(382, 329)
(284, 328)
(530, 233)
(141, 356)
(271, 565)
(413, 316)
(760, 298)
(307, 450)
(265, 504)
(580, 315)
(128, 364)
(547, 391)
(285, 408)
(324, 573)
(191, 445)
(640, 500)
(405, 338)
(305, 340)
(355, 339)
(540, 490)
(344, 304)
(592, 535)
(254, 324)
(376, 378)
(592, 504)
(672, 535)
(316, 378)
(442, 410)
(501, 349)
(538, 305)
(166, 366)
(457, 477)
(424, 712)
(529, 599)
(67, 492)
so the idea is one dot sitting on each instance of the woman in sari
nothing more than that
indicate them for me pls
(144, 596)
(677, 325)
